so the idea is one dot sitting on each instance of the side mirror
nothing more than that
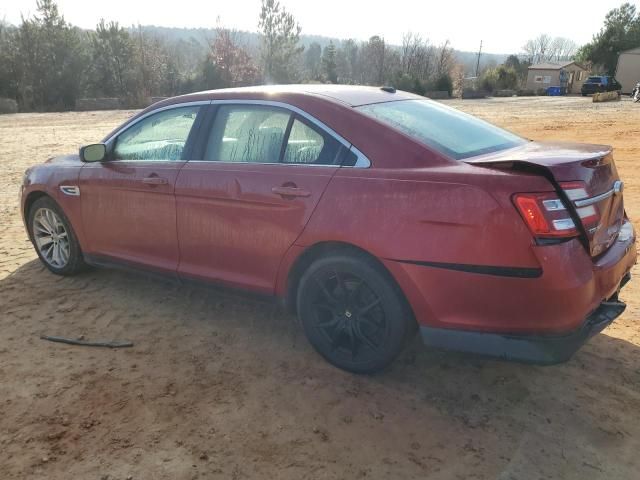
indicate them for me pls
(96, 152)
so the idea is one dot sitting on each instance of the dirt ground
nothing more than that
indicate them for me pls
(222, 386)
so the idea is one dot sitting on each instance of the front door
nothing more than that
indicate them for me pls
(240, 208)
(128, 201)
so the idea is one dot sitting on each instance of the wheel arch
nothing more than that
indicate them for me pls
(75, 262)
(31, 198)
(322, 249)
(28, 203)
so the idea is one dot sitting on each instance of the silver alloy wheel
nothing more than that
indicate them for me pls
(51, 237)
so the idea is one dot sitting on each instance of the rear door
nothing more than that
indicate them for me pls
(128, 202)
(262, 171)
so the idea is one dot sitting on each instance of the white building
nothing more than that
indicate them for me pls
(628, 70)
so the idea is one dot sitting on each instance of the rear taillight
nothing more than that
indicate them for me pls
(589, 216)
(547, 216)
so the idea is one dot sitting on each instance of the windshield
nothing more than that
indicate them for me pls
(594, 80)
(443, 128)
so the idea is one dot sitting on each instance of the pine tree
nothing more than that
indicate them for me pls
(280, 43)
(329, 63)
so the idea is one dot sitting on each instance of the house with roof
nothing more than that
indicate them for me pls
(628, 69)
(568, 75)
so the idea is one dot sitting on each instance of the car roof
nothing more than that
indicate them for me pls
(331, 105)
(352, 95)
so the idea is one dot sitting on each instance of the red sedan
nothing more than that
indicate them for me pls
(371, 212)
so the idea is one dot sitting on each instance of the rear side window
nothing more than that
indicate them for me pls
(247, 133)
(442, 128)
(158, 137)
(265, 134)
(308, 145)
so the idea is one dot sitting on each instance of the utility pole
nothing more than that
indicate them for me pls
(478, 63)
(142, 62)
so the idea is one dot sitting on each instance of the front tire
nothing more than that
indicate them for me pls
(53, 238)
(353, 313)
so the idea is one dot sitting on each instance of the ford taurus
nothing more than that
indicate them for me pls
(373, 213)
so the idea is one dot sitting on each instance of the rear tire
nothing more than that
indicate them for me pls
(53, 238)
(353, 313)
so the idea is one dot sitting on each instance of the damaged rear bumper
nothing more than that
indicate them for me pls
(538, 349)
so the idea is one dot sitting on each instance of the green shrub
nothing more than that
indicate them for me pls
(409, 83)
(499, 78)
(444, 83)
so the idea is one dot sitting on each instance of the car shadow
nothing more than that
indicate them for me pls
(445, 412)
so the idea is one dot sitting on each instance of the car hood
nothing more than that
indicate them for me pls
(64, 160)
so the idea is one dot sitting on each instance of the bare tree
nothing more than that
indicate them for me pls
(547, 49)
(444, 59)
(417, 56)
(537, 49)
(411, 45)
(457, 77)
(562, 49)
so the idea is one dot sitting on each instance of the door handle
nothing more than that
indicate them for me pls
(155, 181)
(291, 191)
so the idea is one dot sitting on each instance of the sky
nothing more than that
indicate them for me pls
(502, 25)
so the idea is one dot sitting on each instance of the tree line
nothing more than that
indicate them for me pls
(48, 64)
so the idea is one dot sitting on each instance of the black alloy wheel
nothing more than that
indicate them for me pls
(353, 313)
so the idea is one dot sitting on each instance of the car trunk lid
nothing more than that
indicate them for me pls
(586, 178)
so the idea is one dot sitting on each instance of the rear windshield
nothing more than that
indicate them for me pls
(443, 128)
(594, 80)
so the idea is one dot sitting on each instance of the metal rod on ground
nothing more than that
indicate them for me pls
(70, 341)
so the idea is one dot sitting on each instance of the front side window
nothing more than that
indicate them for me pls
(247, 133)
(159, 137)
(445, 129)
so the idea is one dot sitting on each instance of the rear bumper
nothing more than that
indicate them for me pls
(538, 349)
(540, 318)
